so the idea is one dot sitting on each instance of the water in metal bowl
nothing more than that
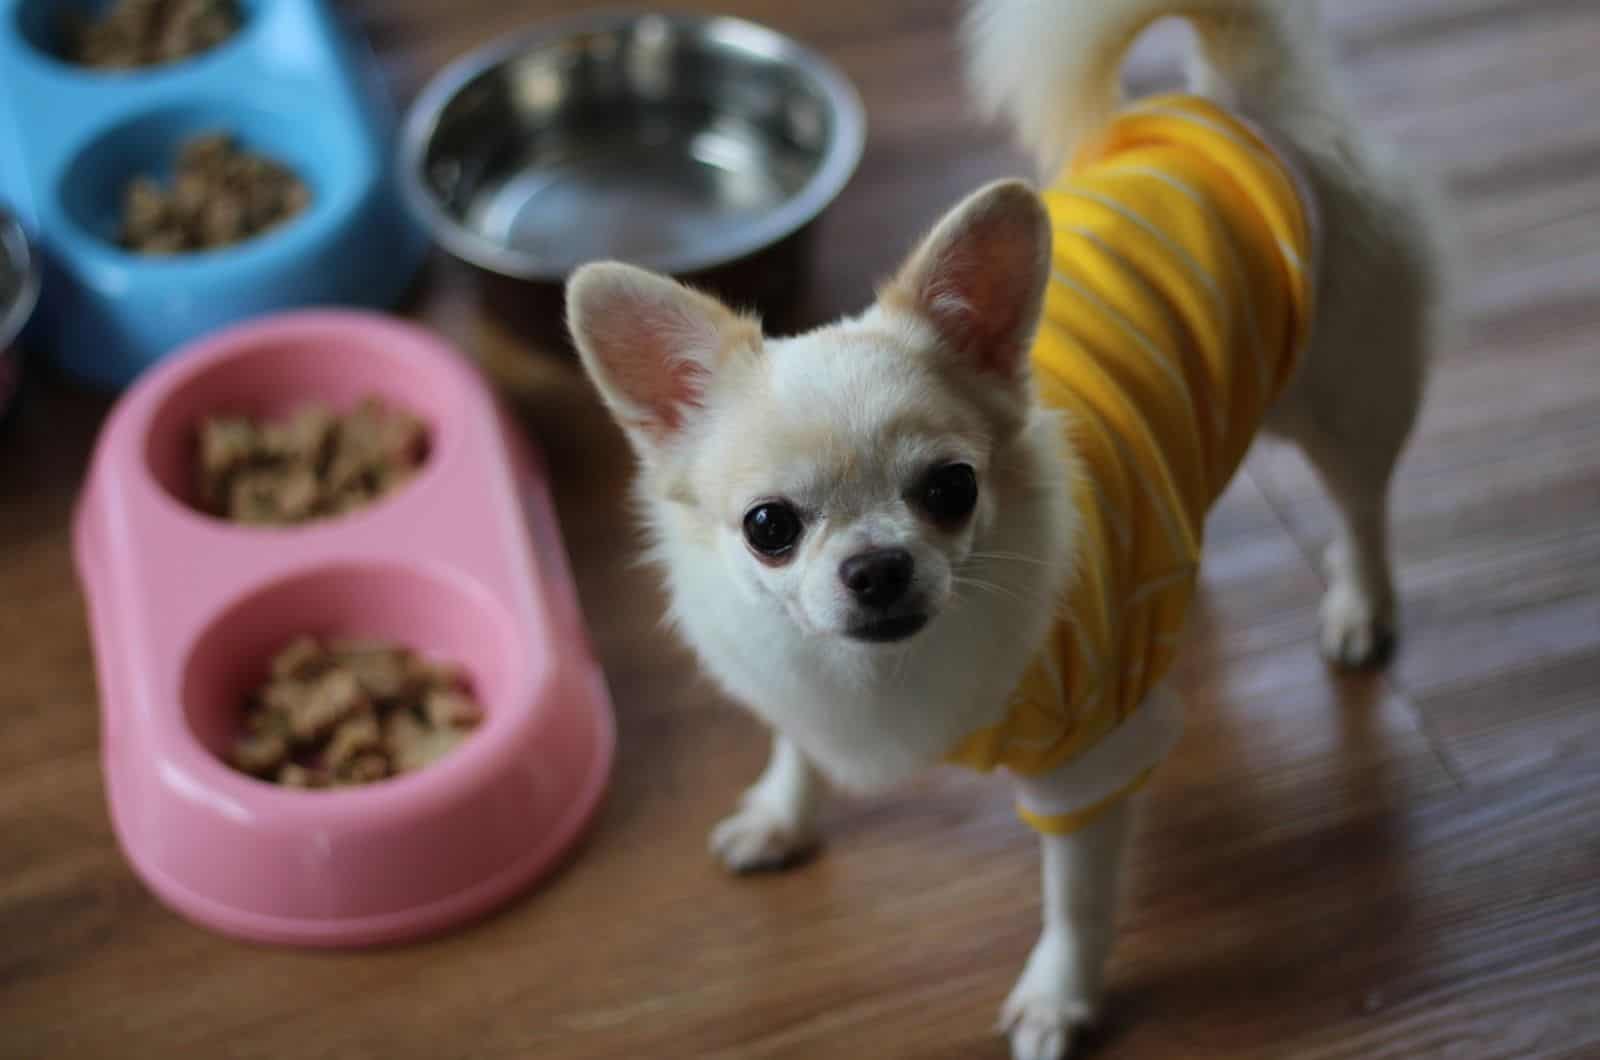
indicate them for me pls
(677, 142)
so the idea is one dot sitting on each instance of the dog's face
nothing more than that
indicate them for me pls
(846, 484)
(845, 477)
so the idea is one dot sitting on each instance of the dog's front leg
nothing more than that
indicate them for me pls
(776, 820)
(1060, 988)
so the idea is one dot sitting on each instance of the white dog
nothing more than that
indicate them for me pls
(964, 525)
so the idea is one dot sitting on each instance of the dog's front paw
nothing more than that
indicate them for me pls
(760, 837)
(1048, 1006)
(1042, 1026)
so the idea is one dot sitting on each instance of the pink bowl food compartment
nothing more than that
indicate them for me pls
(464, 563)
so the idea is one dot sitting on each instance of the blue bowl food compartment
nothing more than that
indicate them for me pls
(289, 84)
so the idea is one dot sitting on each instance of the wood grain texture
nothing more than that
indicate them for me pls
(1394, 866)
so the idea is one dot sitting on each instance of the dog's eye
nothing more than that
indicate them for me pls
(949, 493)
(772, 528)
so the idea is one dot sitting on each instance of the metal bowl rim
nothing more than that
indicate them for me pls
(16, 247)
(841, 153)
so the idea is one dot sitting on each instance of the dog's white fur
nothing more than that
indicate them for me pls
(842, 420)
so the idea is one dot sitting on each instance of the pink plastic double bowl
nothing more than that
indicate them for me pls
(464, 563)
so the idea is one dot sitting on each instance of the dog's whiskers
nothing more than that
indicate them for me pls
(1008, 557)
(988, 586)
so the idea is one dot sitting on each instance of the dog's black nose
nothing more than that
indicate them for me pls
(877, 578)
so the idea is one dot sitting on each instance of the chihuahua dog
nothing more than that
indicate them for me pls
(964, 525)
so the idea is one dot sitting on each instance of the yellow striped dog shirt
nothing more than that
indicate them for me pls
(1181, 296)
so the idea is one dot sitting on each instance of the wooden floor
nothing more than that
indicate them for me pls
(1396, 866)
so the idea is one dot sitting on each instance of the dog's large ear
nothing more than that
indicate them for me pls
(979, 278)
(652, 345)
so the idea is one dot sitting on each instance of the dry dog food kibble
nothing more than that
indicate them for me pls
(316, 463)
(351, 712)
(219, 195)
(133, 33)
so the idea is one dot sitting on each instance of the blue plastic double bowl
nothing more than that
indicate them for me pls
(291, 84)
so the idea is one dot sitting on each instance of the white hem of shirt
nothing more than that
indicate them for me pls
(1117, 760)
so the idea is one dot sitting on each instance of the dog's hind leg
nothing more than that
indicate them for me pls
(1352, 421)
(1357, 615)
(1352, 406)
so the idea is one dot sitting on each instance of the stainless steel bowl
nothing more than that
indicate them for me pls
(19, 291)
(679, 142)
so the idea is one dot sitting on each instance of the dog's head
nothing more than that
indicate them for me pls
(849, 477)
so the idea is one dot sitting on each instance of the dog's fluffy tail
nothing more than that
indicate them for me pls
(1052, 66)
